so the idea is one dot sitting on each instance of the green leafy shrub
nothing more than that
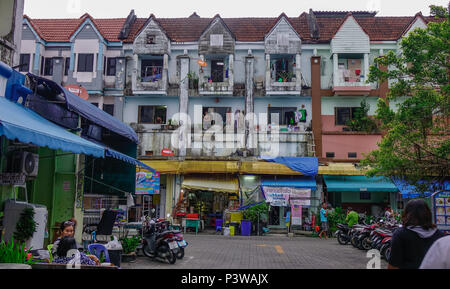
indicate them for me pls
(26, 226)
(129, 245)
(335, 217)
(14, 253)
(254, 213)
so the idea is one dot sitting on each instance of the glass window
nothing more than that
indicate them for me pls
(67, 66)
(24, 63)
(111, 67)
(109, 108)
(85, 63)
(48, 66)
(344, 114)
(152, 114)
(286, 115)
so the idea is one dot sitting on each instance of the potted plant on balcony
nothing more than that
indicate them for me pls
(173, 124)
(193, 80)
(129, 245)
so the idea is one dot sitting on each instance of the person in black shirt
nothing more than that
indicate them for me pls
(411, 242)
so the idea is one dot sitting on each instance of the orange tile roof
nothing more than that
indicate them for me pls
(245, 29)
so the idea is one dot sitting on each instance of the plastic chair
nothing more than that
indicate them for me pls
(49, 248)
(219, 223)
(97, 249)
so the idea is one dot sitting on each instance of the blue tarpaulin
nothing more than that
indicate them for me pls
(409, 191)
(336, 183)
(90, 112)
(306, 165)
(23, 124)
(120, 156)
(307, 182)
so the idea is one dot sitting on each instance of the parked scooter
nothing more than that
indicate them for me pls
(164, 225)
(343, 234)
(159, 244)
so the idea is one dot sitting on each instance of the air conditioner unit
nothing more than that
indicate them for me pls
(26, 163)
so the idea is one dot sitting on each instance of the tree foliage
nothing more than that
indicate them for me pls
(361, 121)
(417, 121)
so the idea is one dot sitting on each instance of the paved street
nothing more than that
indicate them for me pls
(266, 252)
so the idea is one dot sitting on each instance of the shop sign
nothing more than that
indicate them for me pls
(147, 183)
(78, 90)
(167, 152)
(10, 179)
(289, 195)
(442, 210)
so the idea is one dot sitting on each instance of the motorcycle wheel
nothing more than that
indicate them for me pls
(354, 241)
(147, 252)
(387, 253)
(341, 239)
(180, 253)
(365, 244)
(171, 258)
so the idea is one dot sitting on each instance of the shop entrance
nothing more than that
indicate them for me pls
(276, 217)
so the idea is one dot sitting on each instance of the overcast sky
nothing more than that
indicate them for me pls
(226, 8)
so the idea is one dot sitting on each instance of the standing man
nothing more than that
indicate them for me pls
(324, 220)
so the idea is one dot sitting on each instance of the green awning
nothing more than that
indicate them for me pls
(358, 184)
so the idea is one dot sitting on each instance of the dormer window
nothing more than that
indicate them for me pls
(151, 39)
(216, 40)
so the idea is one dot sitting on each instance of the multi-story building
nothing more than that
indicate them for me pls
(181, 82)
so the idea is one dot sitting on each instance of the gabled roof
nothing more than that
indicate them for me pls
(416, 17)
(152, 17)
(217, 16)
(349, 14)
(283, 16)
(189, 29)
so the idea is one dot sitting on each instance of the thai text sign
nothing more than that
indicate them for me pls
(283, 196)
(147, 183)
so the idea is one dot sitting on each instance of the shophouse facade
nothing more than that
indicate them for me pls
(175, 79)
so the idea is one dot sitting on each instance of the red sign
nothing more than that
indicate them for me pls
(78, 90)
(167, 152)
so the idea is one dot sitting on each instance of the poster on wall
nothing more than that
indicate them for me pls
(296, 219)
(285, 196)
(147, 183)
(442, 210)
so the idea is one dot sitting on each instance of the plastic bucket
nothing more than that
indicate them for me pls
(115, 256)
(246, 228)
(232, 230)
(226, 231)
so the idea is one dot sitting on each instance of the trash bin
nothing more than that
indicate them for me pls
(246, 227)
(115, 257)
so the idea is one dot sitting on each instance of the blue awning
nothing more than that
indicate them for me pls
(123, 157)
(336, 183)
(409, 191)
(307, 182)
(90, 112)
(23, 124)
(306, 165)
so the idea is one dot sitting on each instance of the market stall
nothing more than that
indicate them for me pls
(208, 198)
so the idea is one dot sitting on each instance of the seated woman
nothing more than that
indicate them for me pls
(67, 229)
(65, 245)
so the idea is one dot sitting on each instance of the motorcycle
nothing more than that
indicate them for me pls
(163, 225)
(159, 244)
(343, 234)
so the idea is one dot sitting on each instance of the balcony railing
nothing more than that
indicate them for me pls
(152, 79)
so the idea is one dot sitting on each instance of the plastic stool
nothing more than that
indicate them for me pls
(97, 249)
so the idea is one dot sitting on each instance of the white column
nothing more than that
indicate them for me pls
(201, 79)
(230, 72)
(135, 71)
(165, 75)
(298, 72)
(268, 76)
(335, 70)
(366, 66)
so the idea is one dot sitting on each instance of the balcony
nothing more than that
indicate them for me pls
(217, 77)
(350, 75)
(283, 75)
(150, 75)
(294, 144)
